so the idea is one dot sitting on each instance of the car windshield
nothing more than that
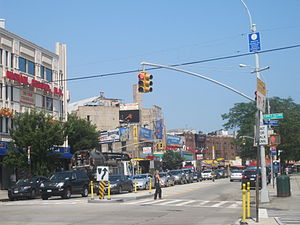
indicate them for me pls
(26, 181)
(61, 176)
(174, 172)
(140, 176)
(250, 172)
(162, 174)
(115, 178)
(207, 171)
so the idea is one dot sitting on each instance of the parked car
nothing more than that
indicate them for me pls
(166, 179)
(208, 174)
(250, 176)
(236, 175)
(26, 188)
(189, 175)
(65, 184)
(143, 181)
(120, 183)
(220, 173)
(179, 176)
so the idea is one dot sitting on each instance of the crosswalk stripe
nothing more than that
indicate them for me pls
(169, 202)
(219, 204)
(203, 203)
(185, 203)
(155, 201)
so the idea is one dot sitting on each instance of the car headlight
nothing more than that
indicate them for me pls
(113, 185)
(26, 187)
(59, 185)
(42, 185)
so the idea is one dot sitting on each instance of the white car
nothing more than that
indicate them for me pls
(207, 174)
(236, 175)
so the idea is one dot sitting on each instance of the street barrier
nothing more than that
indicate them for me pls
(244, 205)
(102, 189)
(248, 200)
(150, 185)
(108, 190)
(92, 189)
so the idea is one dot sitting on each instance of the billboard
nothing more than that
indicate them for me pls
(173, 140)
(124, 133)
(159, 129)
(129, 116)
(109, 136)
(145, 134)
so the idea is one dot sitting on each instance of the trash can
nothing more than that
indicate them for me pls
(283, 186)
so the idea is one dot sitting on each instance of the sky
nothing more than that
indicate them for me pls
(104, 37)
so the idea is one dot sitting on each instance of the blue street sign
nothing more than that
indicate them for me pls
(273, 153)
(271, 122)
(254, 42)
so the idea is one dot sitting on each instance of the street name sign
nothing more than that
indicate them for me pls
(271, 122)
(273, 116)
(102, 173)
(254, 42)
(263, 135)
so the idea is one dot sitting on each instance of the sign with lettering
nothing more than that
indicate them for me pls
(27, 97)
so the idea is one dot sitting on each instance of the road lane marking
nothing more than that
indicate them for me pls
(185, 203)
(219, 204)
(169, 202)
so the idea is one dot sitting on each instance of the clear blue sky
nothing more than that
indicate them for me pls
(114, 36)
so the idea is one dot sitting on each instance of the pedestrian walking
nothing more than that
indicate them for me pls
(157, 184)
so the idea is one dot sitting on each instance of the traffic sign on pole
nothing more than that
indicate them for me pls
(102, 173)
(263, 135)
(271, 122)
(273, 116)
(254, 42)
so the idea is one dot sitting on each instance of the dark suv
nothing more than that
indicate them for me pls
(65, 184)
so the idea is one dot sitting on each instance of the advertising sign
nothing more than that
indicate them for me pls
(129, 116)
(109, 136)
(27, 97)
(145, 134)
(124, 133)
(147, 150)
(159, 129)
(173, 140)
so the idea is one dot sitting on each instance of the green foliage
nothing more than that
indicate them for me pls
(242, 117)
(40, 132)
(81, 133)
(172, 160)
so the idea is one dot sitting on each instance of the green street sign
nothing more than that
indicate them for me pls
(273, 116)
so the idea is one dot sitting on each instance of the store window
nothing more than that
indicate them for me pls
(48, 75)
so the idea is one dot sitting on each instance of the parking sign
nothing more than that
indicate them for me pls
(254, 42)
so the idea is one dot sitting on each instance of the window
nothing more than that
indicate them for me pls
(1, 85)
(1, 124)
(12, 60)
(31, 69)
(49, 104)
(6, 124)
(0, 56)
(88, 117)
(11, 93)
(48, 75)
(6, 92)
(42, 72)
(6, 58)
(26, 66)
(22, 64)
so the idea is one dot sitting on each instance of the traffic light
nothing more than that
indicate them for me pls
(145, 82)
(274, 139)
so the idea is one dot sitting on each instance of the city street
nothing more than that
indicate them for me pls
(205, 202)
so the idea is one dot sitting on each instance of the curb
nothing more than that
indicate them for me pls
(125, 199)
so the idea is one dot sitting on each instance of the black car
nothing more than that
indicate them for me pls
(120, 183)
(65, 184)
(26, 188)
(197, 176)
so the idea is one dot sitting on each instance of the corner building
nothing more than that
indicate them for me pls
(31, 77)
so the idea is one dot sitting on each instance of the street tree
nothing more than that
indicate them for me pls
(172, 160)
(81, 133)
(38, 132)
(242, 119)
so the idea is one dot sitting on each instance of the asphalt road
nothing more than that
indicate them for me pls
(205, 202)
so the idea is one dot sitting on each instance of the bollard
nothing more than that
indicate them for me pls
(92, 189)
(101, 189)
(108, 190)
(243, 221)
(248, 200)
(150, 185)
(135, 186)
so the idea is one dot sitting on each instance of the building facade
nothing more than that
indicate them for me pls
(31, 77)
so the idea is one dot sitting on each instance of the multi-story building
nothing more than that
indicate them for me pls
(31, 77)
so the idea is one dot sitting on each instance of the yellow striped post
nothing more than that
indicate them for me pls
(108, 190)
(101, 189)
(244, 205)
(150, 185)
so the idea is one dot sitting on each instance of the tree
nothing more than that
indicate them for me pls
(242, 117)
(171, 160)
(39, 131)
(81, 133)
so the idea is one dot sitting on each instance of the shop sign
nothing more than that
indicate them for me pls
(27, 97)
(145, 134)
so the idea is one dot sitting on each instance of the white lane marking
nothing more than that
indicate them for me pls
(153, 202)
(169, 202)
(203, 203)
(185, 203)
(219, 204)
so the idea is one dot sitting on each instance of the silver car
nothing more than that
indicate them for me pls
(142, 181)
(236, 175)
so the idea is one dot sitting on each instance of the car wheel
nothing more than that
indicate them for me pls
(231, 180)
(85, 192)
(120, 190)
(67, 193)
(45, 197)
(131, 188)
(33, 193)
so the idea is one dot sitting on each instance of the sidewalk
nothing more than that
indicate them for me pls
(279, 203)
